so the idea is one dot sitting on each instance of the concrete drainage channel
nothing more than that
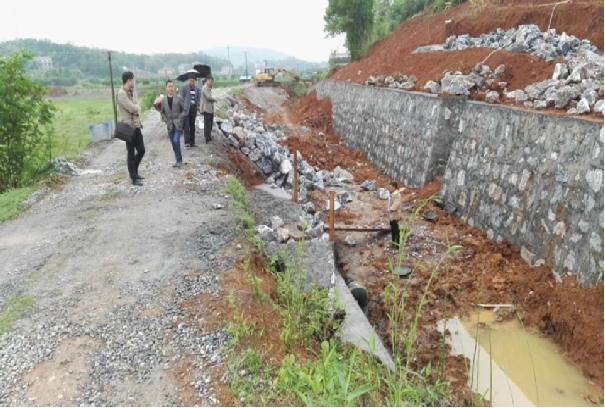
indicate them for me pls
(282, 231)
(318, 261)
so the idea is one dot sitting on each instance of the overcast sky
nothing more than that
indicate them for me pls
(294, 27)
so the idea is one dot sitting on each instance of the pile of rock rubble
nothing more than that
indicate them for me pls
(481, 78)
(396, 81)
(548, 45)
(576, 84)
(246, 132)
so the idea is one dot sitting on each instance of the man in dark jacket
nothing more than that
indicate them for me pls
(174, 113)
(191, 95)
(130, 112)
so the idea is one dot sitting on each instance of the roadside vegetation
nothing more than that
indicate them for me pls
(12, 201)
(36, 130)
(74, 115)
(285, 344)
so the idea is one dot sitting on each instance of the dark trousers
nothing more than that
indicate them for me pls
(190, 126)
(208, 121)
(133, 159)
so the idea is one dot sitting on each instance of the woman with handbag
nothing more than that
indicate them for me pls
(129, 112)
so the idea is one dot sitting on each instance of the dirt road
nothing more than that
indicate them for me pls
(270, 100)
(108, 265)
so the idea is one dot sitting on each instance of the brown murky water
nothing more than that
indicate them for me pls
(532, 362)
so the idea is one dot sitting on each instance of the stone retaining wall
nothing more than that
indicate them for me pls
(531, 179)
(405, 134)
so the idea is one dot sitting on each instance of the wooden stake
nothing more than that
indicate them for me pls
(331, 216)
(295, 187)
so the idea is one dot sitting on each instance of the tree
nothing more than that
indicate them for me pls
(353, 18)
(25, 122)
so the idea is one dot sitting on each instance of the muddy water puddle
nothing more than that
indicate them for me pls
(532, 366)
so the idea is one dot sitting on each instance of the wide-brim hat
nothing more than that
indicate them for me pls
(192, 73)
(204, 70)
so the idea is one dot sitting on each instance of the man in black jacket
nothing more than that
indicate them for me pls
(191, 95)
(130, 112)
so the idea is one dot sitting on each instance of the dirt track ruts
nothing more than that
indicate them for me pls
(108, 265)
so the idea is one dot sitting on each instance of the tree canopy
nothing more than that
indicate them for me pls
(25, 121)
(366, 21)
(354, 18)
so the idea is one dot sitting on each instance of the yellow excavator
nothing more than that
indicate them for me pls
(265, 78)
(275, 77)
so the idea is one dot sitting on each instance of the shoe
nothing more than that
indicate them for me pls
(139, 177)
(187, 145)
(193, 145)
(137, 182)
(177, 165)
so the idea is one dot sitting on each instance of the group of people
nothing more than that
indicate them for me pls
(178, 111)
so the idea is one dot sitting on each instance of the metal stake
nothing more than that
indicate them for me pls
(331, 217)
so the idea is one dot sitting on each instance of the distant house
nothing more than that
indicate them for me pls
(340, 58)
(43, 63)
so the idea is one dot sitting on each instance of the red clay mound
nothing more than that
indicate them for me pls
(584, 19)
(321, 147)
(313, 113)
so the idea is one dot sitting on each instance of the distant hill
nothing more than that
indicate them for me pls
(254, 54)
(258, 56)
(88, 63)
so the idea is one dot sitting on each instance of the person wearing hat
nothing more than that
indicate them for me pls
(207, 108)
(191, 95)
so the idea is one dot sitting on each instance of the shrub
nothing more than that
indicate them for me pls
(25, 123)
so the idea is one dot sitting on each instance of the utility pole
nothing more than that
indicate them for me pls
(246, 57)
(229, 59)
(113, 95)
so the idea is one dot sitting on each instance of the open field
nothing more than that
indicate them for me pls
(74, 115)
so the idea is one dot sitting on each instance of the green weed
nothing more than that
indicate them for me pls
(395, 263)
(11, 202)
(254, 281)
(423, 203)
(251, 379)
(237, 191)
(331, 380)
(14, 309)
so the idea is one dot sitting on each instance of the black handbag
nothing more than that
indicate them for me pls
(124, 132)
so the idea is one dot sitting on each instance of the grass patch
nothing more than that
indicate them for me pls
(225, 83)
(14, 309)
(237, 191)
(74, 115)
(11, 202)
(237, 92)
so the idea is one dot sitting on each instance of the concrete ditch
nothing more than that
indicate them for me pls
(317, 259)
(529, 178)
